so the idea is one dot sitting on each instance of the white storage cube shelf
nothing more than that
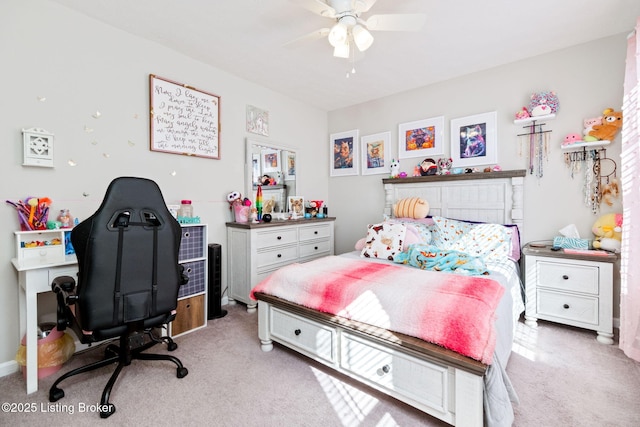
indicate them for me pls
(41, 246)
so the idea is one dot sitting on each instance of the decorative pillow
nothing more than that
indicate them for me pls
(384, 240)
(411, 207)
(447, 231)
(417, 231)
(413, 235)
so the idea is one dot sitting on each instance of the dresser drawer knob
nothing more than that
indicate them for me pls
(565, 305)
(315, 232)
(297, 332)
(279, 237)
(279, 255)
(315, 247)
(565, 277)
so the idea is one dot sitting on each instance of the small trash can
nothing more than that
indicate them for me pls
(54, 348)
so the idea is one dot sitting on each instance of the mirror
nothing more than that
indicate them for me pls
(274, 167)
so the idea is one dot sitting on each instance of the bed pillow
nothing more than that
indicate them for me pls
(492, 242)
(411, 207)
(384, 240)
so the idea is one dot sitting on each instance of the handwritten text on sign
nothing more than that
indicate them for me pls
(184, 120)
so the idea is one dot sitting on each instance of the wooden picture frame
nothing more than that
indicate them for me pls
(422, 138)
(376, 154)
(343, 150)
(474, 140)
(183, 119)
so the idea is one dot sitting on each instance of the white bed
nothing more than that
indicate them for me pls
(454, 388)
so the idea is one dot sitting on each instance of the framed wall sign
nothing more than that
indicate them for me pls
(183, 119)
(474, 140)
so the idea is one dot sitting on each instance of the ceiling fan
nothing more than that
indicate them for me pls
(350, 29)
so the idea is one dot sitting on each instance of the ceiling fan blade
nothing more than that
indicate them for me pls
(396, 22)
(362, 6)
(316, 6)
(315, 35)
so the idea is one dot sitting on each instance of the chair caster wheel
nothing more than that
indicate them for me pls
(111, 408)
(172, 346)
(182, 372)
(55, 394)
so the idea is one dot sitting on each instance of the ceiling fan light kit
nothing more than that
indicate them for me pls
(362, 37)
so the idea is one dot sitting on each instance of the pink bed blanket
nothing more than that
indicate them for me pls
(454, 311)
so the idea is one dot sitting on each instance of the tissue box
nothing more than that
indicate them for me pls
(570, 242)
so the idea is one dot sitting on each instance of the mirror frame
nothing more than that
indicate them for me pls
(248, 161)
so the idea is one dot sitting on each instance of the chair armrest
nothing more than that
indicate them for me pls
(63, 284)
(64, 288)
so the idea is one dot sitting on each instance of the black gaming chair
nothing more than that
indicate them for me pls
(128, 280)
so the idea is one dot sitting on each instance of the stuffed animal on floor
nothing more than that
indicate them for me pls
(608, 232)
(611, 125)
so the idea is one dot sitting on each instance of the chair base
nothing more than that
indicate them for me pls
(131, 347)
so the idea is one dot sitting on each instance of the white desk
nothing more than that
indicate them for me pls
(34, 278)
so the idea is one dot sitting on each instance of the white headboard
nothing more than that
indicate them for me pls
(495, 197)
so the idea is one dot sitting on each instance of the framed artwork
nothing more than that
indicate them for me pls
(289, 165)
(344, 153)
(422, 138)
(257, 121)
(474, 140)
(376, 153)
(296, 205)
(270, 161)
(169, 103)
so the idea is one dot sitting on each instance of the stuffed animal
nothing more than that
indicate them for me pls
(523, 114)
(608, 232)
(428, 167)
(588, 127)
(610, 190)
(611, 125)
(543, 103)
(395, 168)
(444, 166)
(571, 139)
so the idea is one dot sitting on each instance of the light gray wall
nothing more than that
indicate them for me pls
(587, 79)
(82, 66)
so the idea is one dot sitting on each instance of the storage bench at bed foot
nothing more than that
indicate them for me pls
(313, 339)
(400, 374)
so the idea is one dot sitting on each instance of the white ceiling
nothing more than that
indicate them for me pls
(246, 38)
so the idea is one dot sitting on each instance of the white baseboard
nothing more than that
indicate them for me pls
(8, 368)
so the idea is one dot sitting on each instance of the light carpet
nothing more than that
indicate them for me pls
(563, 377)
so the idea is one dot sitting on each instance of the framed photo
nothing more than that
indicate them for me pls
(422, 138)
(257, 121)
(376, 153)
(296, 205)
(289, 165)
(344, 153)
(474, 140)
(270, 161)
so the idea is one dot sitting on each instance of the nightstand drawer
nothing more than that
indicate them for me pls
(267, 239)
(578, 308)
(570, 277)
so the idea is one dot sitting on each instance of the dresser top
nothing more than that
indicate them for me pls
(279, 222)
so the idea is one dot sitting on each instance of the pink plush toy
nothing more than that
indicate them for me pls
(571, 139)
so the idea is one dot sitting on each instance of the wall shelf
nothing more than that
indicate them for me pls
(530, 120)
(586, 145)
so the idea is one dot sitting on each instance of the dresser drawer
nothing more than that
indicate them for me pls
(313, 338)
(578, 308)
(570, 277)
(284, 255)
(270, 238)
(394, 371)
(316, 231)
(315, 249)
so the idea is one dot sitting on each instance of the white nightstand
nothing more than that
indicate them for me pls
(573, 289)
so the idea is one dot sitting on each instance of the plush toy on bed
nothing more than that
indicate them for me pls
(608, 232)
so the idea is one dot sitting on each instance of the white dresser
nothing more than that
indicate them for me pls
(571, 289)
(256, 250)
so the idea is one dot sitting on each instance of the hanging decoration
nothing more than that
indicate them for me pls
(536, 141)
(600, 175)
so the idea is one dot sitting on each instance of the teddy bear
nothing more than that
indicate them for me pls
(611, 125)
(608, 232)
